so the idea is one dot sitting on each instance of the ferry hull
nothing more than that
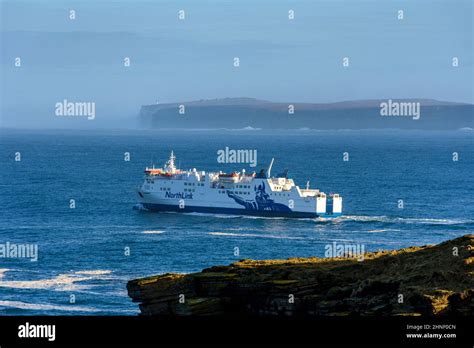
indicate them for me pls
(233, 211)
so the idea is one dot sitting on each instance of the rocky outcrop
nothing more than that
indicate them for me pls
(428, 280)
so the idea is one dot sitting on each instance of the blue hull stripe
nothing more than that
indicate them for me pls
(232, 211)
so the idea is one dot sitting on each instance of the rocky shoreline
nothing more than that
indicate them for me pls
(429, 280)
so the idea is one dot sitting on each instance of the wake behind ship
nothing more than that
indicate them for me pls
(173, 190)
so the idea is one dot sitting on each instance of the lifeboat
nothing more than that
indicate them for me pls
(230, 175)
(153, 171)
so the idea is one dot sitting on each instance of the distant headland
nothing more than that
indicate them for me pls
(249, 113)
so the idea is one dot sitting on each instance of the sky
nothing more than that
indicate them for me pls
(281, 60)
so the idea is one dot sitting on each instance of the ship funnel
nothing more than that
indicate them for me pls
(269, 170)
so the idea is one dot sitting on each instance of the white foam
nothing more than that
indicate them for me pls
(384, 218)
(363, 218)
(433, 221)
(139, 206)
(252, 235)
(96, 272)
(45, 307)
(153, 232)
(62, 282)
(50, 307)
(383, 230)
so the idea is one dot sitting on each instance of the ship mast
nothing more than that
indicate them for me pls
(169, 166)
(269, 170)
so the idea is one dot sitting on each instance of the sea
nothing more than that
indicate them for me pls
(72, 194)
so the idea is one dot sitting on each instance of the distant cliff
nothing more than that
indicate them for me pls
(428, 280)
(237, 113)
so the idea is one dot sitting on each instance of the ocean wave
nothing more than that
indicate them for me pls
(45, 307)
(251, 235)
(387, 219)
(55, 307)
(3, 271)
(62, 282)
(362, 218)
(343, 218)
(383, 230)
(153, 232)
(434, 221)
(95, 272)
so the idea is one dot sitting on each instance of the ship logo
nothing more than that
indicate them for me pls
(262, 201)
(180, 195)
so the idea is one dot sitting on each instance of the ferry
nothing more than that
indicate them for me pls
(170, 189)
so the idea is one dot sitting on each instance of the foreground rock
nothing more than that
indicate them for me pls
(428, 280)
